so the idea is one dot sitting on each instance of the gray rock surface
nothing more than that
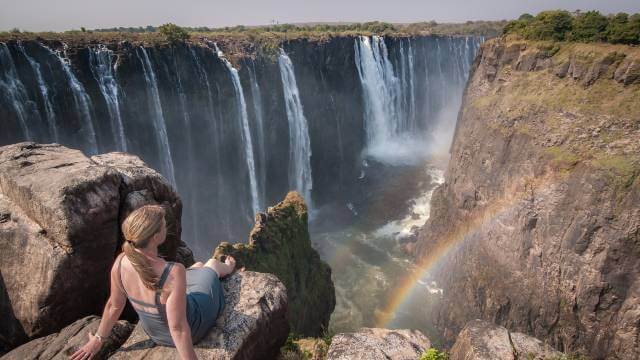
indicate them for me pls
(378, 344)
(59, 232)
(142, 185)
(481, 340)
(59, 216)
(253, 325)
(60, 345)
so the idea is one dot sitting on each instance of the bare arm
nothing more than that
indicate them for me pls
(111, 314)
(177, 314)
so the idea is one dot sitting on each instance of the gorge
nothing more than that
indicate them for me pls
(442, 179)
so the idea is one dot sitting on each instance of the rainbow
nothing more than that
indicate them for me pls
(445, 246)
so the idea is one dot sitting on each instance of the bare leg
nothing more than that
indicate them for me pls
(199, 264)
(222, 268)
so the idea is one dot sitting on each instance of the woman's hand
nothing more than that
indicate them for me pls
(89, 350)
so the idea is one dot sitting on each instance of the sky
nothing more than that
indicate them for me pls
(60, 15)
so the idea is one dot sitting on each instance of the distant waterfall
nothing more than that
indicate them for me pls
(381, 90)
(101, 66)
(299, 142)
(261, 150)
(157, 118)
(408, 84)
(233, 140)
(82, 102)
(44, 92)
(245, 134)
(11, 85)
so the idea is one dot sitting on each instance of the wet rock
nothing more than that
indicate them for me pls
(60, 345)
(382, 344)
(253, 324)
(481, 340)
(279, 244)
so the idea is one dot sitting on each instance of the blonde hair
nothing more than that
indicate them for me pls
(138, 229)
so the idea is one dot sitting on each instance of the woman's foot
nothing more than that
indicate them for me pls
(222, 268)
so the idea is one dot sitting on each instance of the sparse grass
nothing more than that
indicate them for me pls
(434, 354)
(297, 348)
(562, 158)
(623, 168)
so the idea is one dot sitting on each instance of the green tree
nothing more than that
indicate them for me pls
(549, 25)
(173, 32)
(589, 27)
(624, 29)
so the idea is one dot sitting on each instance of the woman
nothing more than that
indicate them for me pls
(156, 288)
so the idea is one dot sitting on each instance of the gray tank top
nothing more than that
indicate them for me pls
(155, 324)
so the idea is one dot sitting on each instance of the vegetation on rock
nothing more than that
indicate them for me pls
(434, 354)
(279, 244)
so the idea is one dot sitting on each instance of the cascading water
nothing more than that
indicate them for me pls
(183, 110)
(245, 134)
(256, 100)
(381, 90)
(15, 91)
(44, 92)
(299, 142)
(82, 102)
(101, 60)
(157, 117)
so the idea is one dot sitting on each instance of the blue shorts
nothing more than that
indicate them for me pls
(205, 300)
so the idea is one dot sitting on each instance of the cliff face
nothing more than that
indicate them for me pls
(540, 205)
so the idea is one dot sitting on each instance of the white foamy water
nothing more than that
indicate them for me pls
(419, 214)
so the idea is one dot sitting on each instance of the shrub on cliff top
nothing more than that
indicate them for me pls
(590, 26)
(173, 32)
(549, 25)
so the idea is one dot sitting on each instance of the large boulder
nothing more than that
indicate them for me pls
(142, 185)
(68, 340)
(482, 340)
(58, 236)
(378, 344)
(279, 244)
(253, 324)
(60, 216)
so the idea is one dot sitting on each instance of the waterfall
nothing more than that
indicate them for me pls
(11, 85)
(245, 133)
(44, 92)
(256, 101)
(82, 102)
(100, 61)
(157, 118)
(381, 90)
(299, 142)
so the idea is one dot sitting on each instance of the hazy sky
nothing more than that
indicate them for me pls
(57, 15)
